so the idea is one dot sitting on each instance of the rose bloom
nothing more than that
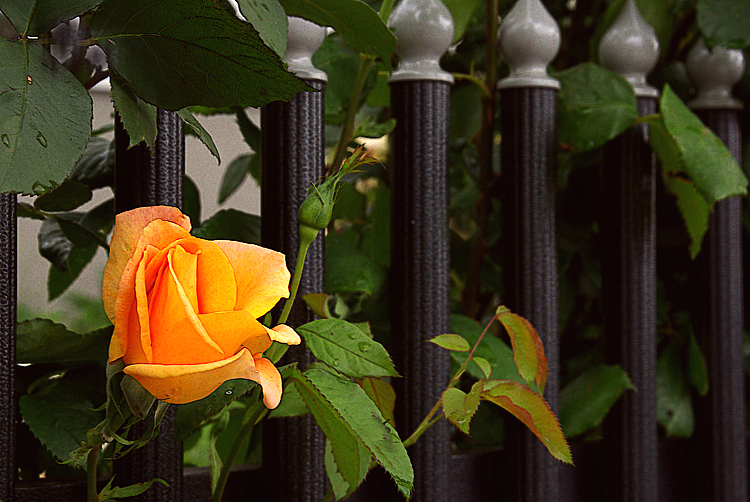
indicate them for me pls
(185, 309)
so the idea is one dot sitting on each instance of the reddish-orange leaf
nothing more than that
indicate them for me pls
(531, 409)
(528, 352)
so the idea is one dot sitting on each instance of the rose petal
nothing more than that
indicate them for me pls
(177, 336)
(185, 383)
(234, 328)
(270, 380)
(158, 235)
(128, 228)
(261, 274)
(284, 334)
(216, 287)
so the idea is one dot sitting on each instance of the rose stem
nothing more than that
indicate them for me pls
(306, 237)
(92, 495)
(257, 414)
(428, 420)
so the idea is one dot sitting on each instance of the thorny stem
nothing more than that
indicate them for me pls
(428, 420)
(243, 436)
(486, 136)
(91, 494)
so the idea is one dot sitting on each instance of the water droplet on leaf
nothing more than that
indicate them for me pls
(6, 140)
(351, 336)
(41, 139)
(228, 393)
(363, 346)
(336, 362)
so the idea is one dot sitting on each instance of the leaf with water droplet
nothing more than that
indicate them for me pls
(31, 156)
(344, 346)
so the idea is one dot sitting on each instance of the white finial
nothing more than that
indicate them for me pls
(529, 40)
(630, 47)
(303, 39)
(424, 30)
(714, 73)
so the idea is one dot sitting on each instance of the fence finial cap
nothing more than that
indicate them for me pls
(303, 39)
(714, 72)
(529, 40)
(630, 47)
(424, 30)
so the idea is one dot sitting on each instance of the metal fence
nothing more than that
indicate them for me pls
(632, 464)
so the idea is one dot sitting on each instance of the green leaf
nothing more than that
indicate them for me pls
(59, 416)
(462, 11)
(343, 346)
(234, 175)
(349, 419)
(348, 270)
(586, 400)
(703, 156)
(696, 367)
(44, 341)
(199, 131)
(594, 106)
(201, 50)
(45, 119)
(491, 348)
(696, 166)
(340, 486)
(190, 416)
(531, 409)
(359, 25)
(291, 405)
(230, 224)
(269, 18)
(674, 403)
(724, 22)
(460, 407)
(250, 132)
(528, 352)
(109, 493)
(191, 200)
(382, 394)
(138, 117)
(34, 17)
(65, 197)
(484, 366)
(96, 167)
(452, 342)
(58, 281)
(318, 303)
(139, 399)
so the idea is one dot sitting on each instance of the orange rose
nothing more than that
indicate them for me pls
(185, 309)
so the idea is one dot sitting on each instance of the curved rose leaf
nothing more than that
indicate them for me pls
(451, 342)
(460, 407)
(528, 352)
(531, 409)
(346, 348)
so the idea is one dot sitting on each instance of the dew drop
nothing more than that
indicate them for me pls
(363, 346)
(336, 362)
(351, 336)
(29, 80)
(228, 393)
(6, 140)
(41, 139)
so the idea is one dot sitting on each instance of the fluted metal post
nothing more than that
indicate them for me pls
(720, 424)
(529, 40)
(420, 261)
(8, 254)
(144, 178)
(292, 159)
(628, 232)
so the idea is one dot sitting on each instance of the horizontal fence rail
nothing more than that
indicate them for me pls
(631, 464)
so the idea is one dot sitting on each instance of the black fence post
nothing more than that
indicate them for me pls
(720, 422)
(420, 252)
(292, 159)
(146, 178)
(628, 252)
(8, 257)
(529, 40)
